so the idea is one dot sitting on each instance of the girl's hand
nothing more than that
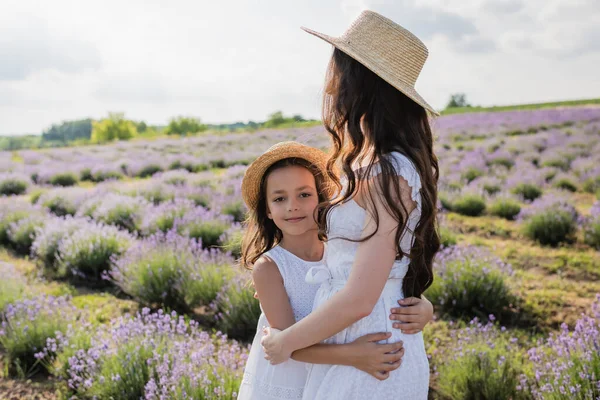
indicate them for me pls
(377, 360)
(272, 344)
(414, 314)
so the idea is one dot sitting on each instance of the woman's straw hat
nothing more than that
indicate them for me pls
(390, 51)
(255, 172)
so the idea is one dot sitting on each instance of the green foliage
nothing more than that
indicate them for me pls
(472, 173)
(115, 127)
(8, 218)
(63, 179)
(483, 370)
(551, 227)
(237, 309)
(149, 170)
(470, 288)
(565, 184)
(184, 125)
(505, 208)
(236, 209)
(458, 100)
(561, 163)
(22, 234)
(591, 234)
(69, 131)
(18, 142)
(529, 191)
(471, 205)
(210, 232)
(447, 237)
(12, 186)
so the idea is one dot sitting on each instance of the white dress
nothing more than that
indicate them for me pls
(337, 382)
(261, 380)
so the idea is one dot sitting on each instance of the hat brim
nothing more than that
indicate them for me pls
(254, 174)
(408, 90)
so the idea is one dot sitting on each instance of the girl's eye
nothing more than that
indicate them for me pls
(305, 195)
(277, 200)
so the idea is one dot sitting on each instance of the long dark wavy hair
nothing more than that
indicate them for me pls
(391, 122)
(261, 233)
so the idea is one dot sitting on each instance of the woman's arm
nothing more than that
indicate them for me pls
(360, 294)
(412, 315)
(364, 353)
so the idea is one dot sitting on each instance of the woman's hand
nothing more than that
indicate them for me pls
(413, 314)
(273, 346)
(376, 359)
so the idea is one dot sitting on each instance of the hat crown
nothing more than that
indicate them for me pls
(387, 42)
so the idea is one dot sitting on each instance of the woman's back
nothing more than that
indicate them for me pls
(340, 382)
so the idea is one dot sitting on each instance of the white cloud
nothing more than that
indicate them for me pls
(238, 60)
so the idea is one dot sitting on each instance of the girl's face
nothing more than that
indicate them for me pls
(292, 198)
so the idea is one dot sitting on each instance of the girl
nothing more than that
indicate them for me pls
(381, 229)
(282, 189)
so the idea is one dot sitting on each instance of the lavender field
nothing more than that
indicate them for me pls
(119, 277)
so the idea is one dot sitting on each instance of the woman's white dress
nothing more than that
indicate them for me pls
(261, 380)
(337, 382)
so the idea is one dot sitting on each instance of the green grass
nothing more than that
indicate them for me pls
(532, 106)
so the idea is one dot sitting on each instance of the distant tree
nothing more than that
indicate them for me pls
(274, 120)
(68, 131)
(298, 118)
(458, 100)
(184, 125)
(115, 127)
(141, 127)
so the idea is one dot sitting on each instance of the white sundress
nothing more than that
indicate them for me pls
(337, 382)
(261, 380)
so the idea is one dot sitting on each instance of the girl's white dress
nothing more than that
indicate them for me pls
(338, 382)
(261, 380)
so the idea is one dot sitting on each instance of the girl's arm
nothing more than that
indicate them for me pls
(274, 300)
(360, 294)
(364, 353)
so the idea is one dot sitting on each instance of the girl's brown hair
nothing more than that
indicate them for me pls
(261, 233)
(391, 122)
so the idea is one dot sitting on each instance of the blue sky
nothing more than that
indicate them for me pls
(225, 60)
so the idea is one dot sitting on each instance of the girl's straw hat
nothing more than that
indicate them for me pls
(390, 51)
(255, 172)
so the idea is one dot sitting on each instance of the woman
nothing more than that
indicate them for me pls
(382, 227)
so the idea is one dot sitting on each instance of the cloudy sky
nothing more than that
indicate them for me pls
(230, 60)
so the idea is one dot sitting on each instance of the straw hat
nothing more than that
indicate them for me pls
(390, 51)
(255, 172)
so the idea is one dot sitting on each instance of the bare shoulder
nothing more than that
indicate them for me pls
(265, 268)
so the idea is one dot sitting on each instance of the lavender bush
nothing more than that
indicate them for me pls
(48, 238)
(114, 209)
(550, 220)
(481, 361)
(471, 282)
(204, 225)
(155, 356)
(86, 255)
(12, 285)
(505, 207)
(567, 365)
(13, 184)
(591, 232)
(21, 234)
(171, 271)
(236, 309)
(26, 326)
